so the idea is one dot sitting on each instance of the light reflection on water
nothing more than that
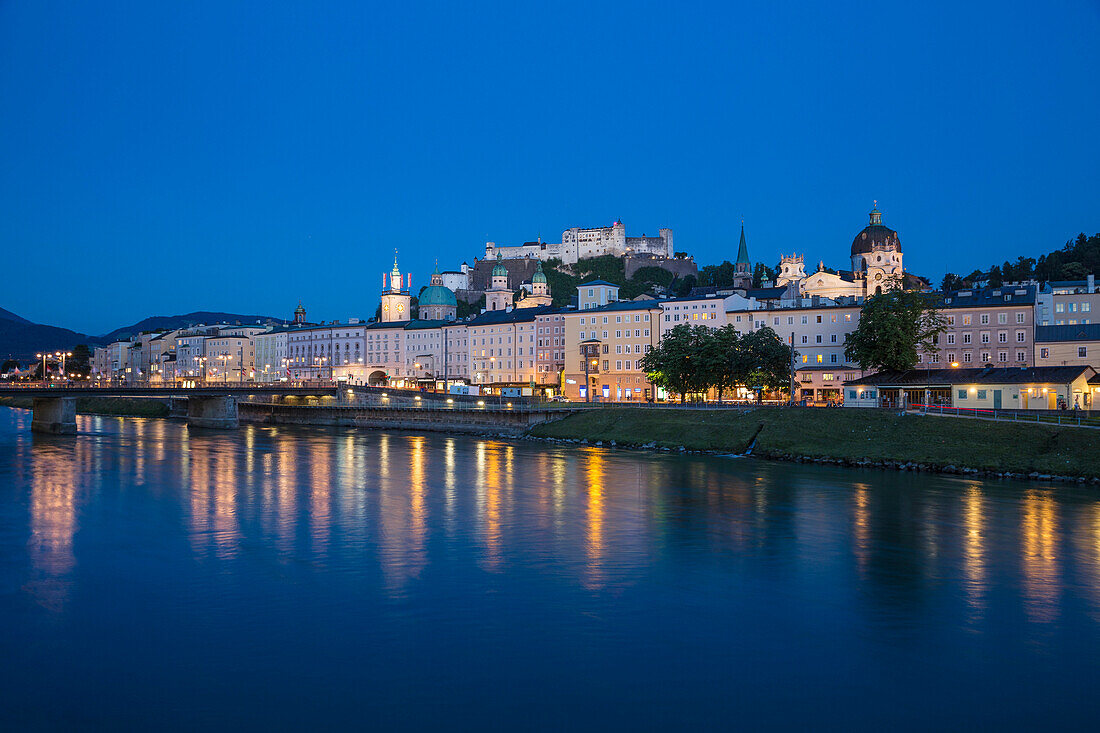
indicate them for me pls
(663, 576)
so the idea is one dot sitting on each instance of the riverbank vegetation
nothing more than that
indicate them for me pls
(104, 406)
(696, 359)
(845, 434)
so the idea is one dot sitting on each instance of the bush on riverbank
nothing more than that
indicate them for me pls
(104, 406)
(872, 435)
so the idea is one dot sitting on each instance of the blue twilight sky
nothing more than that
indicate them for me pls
(158, 158)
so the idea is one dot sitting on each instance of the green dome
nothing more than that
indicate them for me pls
(499, 270)
(437, 295)
(539, 276)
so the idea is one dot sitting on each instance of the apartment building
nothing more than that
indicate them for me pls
(504, 346)
(1067, 303)
(603, 346)
(1068, 345)
(994, 326)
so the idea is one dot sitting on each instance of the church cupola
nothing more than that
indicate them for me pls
(299, 314)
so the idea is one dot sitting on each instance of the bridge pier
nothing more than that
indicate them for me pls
(54, 415)
(214, 411)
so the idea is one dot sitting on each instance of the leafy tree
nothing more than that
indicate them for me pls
(720, 276)
(653, 276)
(760, 273)
(951, 281)
(679, 362)
(996, 277)
(764, 360)
(893, 325)
(80, 363)
(682, 286)
(8, 365)
(465, 309)
(719, 355)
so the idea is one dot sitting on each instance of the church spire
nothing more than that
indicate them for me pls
(742, 248)
(876, 215)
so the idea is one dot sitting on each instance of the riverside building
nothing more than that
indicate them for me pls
(987, 327)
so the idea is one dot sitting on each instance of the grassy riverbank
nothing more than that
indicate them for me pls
(104, 406)
(847, 434)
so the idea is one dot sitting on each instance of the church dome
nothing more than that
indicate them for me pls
(437, 295)
(875, 235)
(499, 270)
(539, 276)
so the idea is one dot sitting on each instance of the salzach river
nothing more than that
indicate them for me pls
(154, 577)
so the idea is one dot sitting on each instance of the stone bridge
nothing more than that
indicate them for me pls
(208, 406)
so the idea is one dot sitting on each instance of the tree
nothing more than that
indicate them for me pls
(996, 277)
(893, 325)
(679, 362)
(683, 286)
(950, 282)
(719, 358)
(760, 273)
(763, 360)
(8, 365)
(79, 364)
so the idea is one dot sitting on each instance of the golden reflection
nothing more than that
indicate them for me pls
(138, 442)
(974, 546)
(490, 500)
(402, 514)
(53, 522)
(861, 533)
(214, 521)
(449, 484)
(285, 516)
(1042, 585)
(594, 540)
(320, 492)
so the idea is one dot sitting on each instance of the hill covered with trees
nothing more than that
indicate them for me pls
(1074, 261)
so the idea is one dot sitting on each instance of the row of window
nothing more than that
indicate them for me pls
(984, 318)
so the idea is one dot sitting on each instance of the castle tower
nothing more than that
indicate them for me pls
(396, 300)
(540, 290)
(299, 314)
(742, 268)
(499, 296)
(437, 302)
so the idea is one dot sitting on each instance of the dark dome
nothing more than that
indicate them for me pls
(875, 234)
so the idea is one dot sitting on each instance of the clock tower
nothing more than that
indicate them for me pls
(396, 300)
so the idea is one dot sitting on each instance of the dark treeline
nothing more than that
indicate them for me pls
(1074, 261)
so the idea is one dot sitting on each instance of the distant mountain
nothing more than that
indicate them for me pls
(157, 323)
(21, 339)
(9, 316)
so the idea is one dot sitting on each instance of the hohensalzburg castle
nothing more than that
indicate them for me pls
(579, 244)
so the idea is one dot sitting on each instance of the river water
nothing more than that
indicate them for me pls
(157, 577)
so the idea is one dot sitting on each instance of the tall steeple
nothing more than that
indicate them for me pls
(742, 268)
(742, 248)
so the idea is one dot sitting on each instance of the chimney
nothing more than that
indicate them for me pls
(1091, 283)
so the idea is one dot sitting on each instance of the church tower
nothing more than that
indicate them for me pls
(742, 268)
(396, 300)
(499, 296)
(540, 290)
(299, 314)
